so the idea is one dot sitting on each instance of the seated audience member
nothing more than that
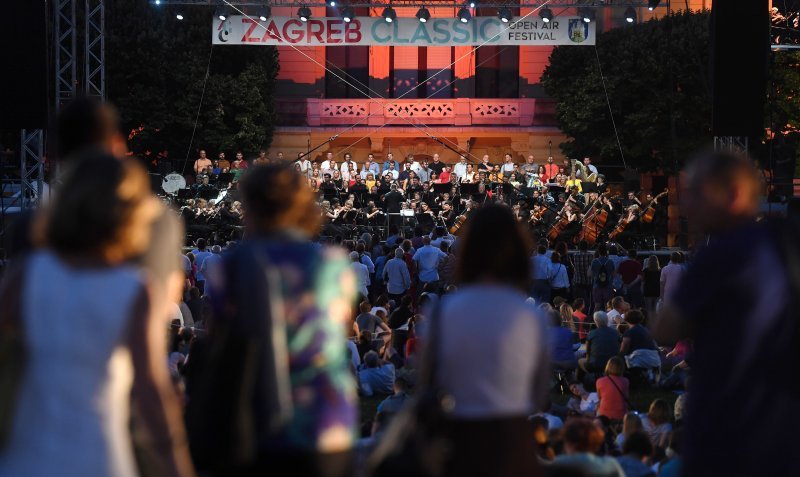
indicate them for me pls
(366, 343)
(637, 345)
(376, 376)
(395, 402)
(672, 466)
(616, 316)
(560, 340)
(630, 423)
(579, 317)
(402, 314)
(584, 402)
(582, 440)
(613, 390)
(602, 344)
(657, 423)
(366, 321)
(636, 453)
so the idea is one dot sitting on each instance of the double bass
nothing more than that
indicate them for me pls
(649, 212)
(593, 223)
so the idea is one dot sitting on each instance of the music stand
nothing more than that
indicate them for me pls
(184, 194)
(226, 177)
(441, 188)
(208, 194)
(587, 187)
(469, 189)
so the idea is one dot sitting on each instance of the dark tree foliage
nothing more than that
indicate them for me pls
(656, 74)
(156, 67)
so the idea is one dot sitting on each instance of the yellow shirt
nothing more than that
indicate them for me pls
(576, 182)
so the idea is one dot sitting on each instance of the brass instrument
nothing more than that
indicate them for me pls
(586, 175)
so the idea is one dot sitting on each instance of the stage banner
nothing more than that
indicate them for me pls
(240, 30)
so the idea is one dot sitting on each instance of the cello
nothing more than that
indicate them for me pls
(650, 211)
(594, 222)
(624, 221)
(562, 220)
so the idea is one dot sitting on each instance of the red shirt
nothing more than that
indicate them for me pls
(582, 327)
(629, 270)
(444, 177)
(550, 170)
(613, 404)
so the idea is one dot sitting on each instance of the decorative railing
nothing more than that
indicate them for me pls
(399, 112)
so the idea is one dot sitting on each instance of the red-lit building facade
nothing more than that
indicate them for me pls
(488, 100)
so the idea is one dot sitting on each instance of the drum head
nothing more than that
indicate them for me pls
(173, 182)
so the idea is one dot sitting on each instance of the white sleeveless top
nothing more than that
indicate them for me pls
(73, 407)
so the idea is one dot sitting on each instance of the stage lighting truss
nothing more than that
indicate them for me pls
(263, 13)
(389, 15)
(587, 14)
(348, 14)
(464, 15)
(423, 15)
(222, 13)
(630, 15)
(546, 15)
(504, 14)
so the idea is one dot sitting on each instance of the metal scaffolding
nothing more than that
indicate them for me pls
(65, 44)
(31, 167)
(29, 190)
(94, 50)
(731, 144)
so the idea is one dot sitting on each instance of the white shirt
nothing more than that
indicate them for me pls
(326, 164)
(493, 355)
(362, 277)
(415, 166)
(394, 172)
(460, 169)
(615, 317)
(345, 167)
(305, 164)
(507, 167)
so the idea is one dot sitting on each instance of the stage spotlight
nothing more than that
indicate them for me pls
(471, 4)
(222, 13)
(587, 14)
(389, 14)
(264, 13)
(423, 15)
(546, 15)
(331, 3)
(652, 4)
(158, 2)
(347, 14)
(179, 16)
(504, 14)
(630, 15)
(464, 15)
(304, 13)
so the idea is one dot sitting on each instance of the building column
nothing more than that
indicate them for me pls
(379, 70)
(465, 72)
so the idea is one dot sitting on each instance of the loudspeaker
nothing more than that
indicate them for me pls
(24, 82)
(739, 58)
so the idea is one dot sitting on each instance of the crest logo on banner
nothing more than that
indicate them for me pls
(578, 30)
